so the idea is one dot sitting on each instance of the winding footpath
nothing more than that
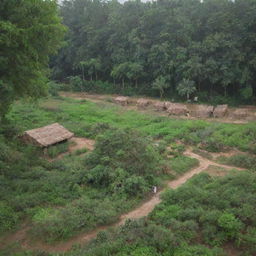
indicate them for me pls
(141, 211)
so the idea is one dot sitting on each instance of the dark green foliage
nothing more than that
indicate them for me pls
(124, 160)
(214, 205)
(206, 210)
(30, 31)
(191, 48)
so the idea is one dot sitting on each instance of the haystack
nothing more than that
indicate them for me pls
(159, 106)
(177, 109)
(204, 111)
(220, 111)
(47, 135)
(142, 103)
(122, 100)
(240, 113)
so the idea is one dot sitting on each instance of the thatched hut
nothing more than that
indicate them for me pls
(159, 106)
(204, 111)
(47, 135)
(122, 100)
(240, 113)
(142, 103)
(177, 109)
(220, 111)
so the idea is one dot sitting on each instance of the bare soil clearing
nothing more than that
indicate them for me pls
(141, 211)
(230, 118)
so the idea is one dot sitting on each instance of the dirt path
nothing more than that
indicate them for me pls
(141, 211)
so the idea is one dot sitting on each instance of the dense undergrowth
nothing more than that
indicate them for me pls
(198, 218)
(240, 160)
(64, 197)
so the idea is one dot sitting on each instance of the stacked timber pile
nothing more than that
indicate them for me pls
(124, 101)
(204, 111)
(142, 103)
(220, 111)
(240, 113)
(159, 106)
(177, 109)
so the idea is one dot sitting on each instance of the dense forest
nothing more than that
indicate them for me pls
(167, 47)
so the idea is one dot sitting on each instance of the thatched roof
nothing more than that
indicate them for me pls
(47, 135)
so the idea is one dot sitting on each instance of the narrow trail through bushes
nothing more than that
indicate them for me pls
(141, 211)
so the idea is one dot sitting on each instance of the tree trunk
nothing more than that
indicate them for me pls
(123, 83)
(91, 77)
(136, 83)
(83, 72)
(96, 75)
(187, 96)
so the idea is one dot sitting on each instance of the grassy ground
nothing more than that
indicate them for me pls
(54, 196)
(182, 164)
(83, 118)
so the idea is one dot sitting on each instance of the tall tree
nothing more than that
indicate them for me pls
(30, 31)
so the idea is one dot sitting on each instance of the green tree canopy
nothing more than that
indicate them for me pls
(30, 31)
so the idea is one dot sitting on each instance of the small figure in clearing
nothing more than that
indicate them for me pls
(196, 99)
(154, 189)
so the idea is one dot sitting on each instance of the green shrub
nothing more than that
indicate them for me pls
(55, 150)
(123, 159)
(8, 217)
(230, 224)
(182, 164)
(239, 160)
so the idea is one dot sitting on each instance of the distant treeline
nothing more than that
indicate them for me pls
(171, 47)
